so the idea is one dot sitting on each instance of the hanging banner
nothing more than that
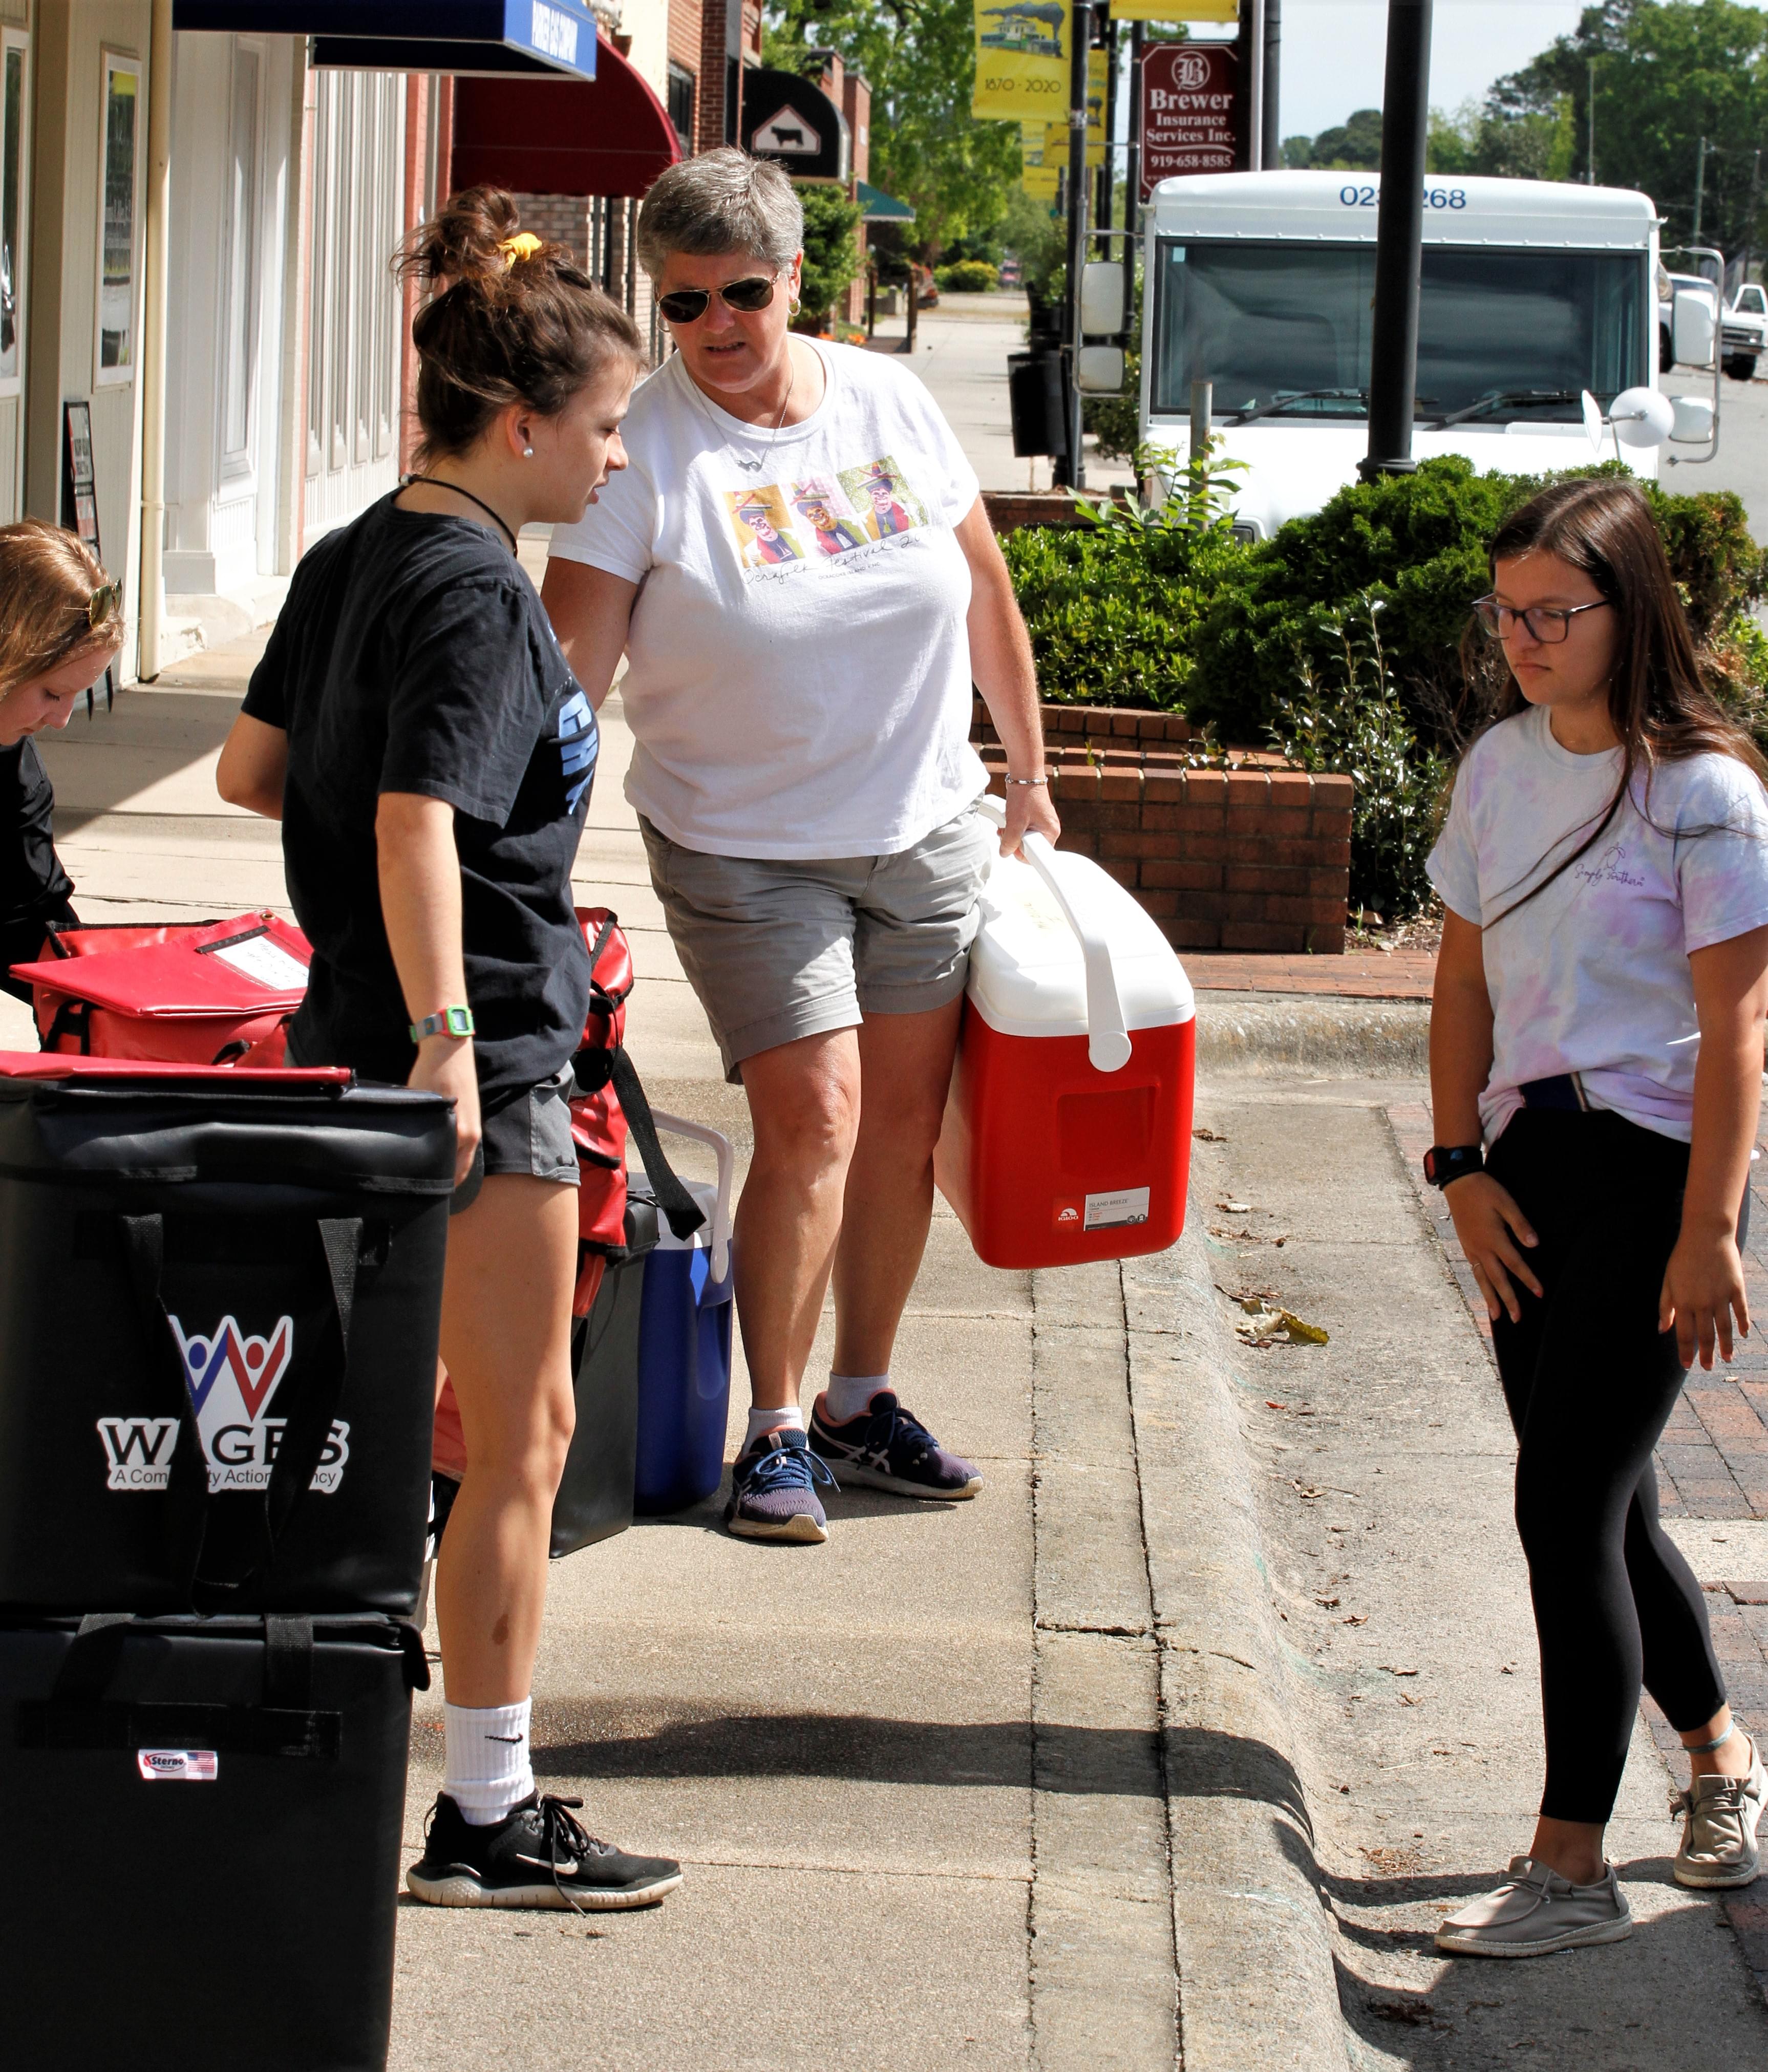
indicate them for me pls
(1175, 11)
(1188, 95)
(1021, 59)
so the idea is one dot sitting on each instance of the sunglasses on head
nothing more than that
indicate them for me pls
(687, 305)
(107, 598)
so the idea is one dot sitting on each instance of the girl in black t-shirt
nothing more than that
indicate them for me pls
(61, 626)
(416, 730)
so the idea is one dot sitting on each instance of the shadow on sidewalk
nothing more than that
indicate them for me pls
(1008, 1753)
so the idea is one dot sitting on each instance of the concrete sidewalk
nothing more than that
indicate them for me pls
(1169, 1749)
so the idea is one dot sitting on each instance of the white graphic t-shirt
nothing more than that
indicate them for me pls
(1592, 977)
(798, 680)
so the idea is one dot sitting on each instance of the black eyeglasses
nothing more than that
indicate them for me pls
(688, 305)
(1548, 623)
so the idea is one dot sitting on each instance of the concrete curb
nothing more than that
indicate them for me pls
(1254, 1940)
(1246, 1032)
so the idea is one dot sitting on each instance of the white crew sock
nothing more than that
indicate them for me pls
(848, 1394)
(762, 1422)
(489, 1769)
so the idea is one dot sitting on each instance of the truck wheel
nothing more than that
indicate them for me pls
(1666, 353)
(1741, 366)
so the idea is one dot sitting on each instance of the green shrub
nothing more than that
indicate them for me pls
(830, 256)
(1113, 606)
(967, 276)
(1418, 542)
(1348, 718)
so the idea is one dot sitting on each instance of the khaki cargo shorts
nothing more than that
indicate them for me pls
(780, 949)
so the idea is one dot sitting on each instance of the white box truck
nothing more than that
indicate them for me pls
(1532, 293)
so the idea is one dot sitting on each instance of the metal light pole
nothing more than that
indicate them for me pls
(1400, 227)
(1250, 48)
(1073, 474)
(1589, 110)
(1700, 186)
(1271, 157)
(1132, 185)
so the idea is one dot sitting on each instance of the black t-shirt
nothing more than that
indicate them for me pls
(32, 882)
(413, 654)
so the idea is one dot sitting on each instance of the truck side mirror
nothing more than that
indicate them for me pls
(1693, 421)
(1102, 304)
(1100, 370)
(1694, 330)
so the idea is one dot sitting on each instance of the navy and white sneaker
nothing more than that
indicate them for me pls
(888, 1449)
(538, 1855)
(773, 1493)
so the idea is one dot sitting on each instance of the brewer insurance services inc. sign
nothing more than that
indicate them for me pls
(1189, 91)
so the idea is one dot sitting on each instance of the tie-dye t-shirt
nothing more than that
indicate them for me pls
(798, 680)
(1592, 977)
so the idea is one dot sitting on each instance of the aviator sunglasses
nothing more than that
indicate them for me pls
(687, 305)
(1548, 623)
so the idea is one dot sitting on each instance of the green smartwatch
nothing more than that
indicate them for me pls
(451, 1021)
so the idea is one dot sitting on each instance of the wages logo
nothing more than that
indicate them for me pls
(232, 1377)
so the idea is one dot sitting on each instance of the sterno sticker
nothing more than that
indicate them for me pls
(232, 1377)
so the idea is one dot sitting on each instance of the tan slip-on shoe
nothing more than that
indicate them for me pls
(1536, 1912)
(1720, 1816)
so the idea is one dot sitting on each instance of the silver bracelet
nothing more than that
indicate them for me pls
(1043, 779)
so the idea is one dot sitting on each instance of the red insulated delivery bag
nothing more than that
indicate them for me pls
(211, 992)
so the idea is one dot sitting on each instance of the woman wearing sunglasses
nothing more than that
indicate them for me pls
(61, 627)
(798, 566)
(1595, 1070)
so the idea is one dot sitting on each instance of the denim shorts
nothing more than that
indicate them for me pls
(780, 948)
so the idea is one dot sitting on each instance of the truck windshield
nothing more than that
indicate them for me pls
(1265, 322)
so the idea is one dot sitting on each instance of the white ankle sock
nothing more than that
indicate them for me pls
(848, 1394)
(489, 1769)
(772, 1420)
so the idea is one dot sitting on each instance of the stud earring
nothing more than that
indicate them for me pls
(528, 453)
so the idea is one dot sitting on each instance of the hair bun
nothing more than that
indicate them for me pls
(475, 236)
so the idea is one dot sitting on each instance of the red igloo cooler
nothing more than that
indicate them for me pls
(1068, 1127)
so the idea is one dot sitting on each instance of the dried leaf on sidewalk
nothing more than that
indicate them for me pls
(1209, 1135)
(1236, 1208)
(1263, 1324)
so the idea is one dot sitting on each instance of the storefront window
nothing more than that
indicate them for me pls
(12, 166)
(116, 238)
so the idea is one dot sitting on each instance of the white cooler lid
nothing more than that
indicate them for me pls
(1028, 976)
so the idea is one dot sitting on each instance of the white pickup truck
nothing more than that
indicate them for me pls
(1743, 332)
(1533, 292)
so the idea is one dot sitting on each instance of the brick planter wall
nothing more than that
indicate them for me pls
(1256, 857)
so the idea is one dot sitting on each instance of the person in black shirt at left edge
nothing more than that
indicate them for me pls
(61, 626)
(417, 729)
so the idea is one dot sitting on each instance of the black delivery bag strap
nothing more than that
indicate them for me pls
(78, 1715)
(304, 1437)
(682, 1213)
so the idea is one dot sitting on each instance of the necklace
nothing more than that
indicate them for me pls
(436, 481)
(755, 467)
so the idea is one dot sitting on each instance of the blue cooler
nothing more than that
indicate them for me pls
(684, 1346)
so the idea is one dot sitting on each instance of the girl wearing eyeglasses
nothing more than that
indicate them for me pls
(61, 627)
(1596, 1051)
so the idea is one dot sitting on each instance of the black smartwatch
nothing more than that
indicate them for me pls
(1444, 1162)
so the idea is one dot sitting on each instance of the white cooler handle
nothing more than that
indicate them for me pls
(727, 1164)
(1108, 1036)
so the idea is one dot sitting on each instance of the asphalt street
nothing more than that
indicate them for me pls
(1742, 462)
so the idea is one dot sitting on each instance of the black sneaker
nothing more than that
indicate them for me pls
(888, 1449)
(538, 1856)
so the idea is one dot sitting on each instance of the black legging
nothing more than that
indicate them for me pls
(1590, 1382)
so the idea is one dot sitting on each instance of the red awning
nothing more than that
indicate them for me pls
(608, 135)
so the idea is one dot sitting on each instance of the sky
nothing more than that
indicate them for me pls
(1333, 52)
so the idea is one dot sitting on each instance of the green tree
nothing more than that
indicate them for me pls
(918, 57)
(830, 256)
(1667, 72)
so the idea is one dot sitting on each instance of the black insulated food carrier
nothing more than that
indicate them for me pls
(205, 1819)
(594, 1498)
(219, 1297)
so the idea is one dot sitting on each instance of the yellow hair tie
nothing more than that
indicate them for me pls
(523, 245)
